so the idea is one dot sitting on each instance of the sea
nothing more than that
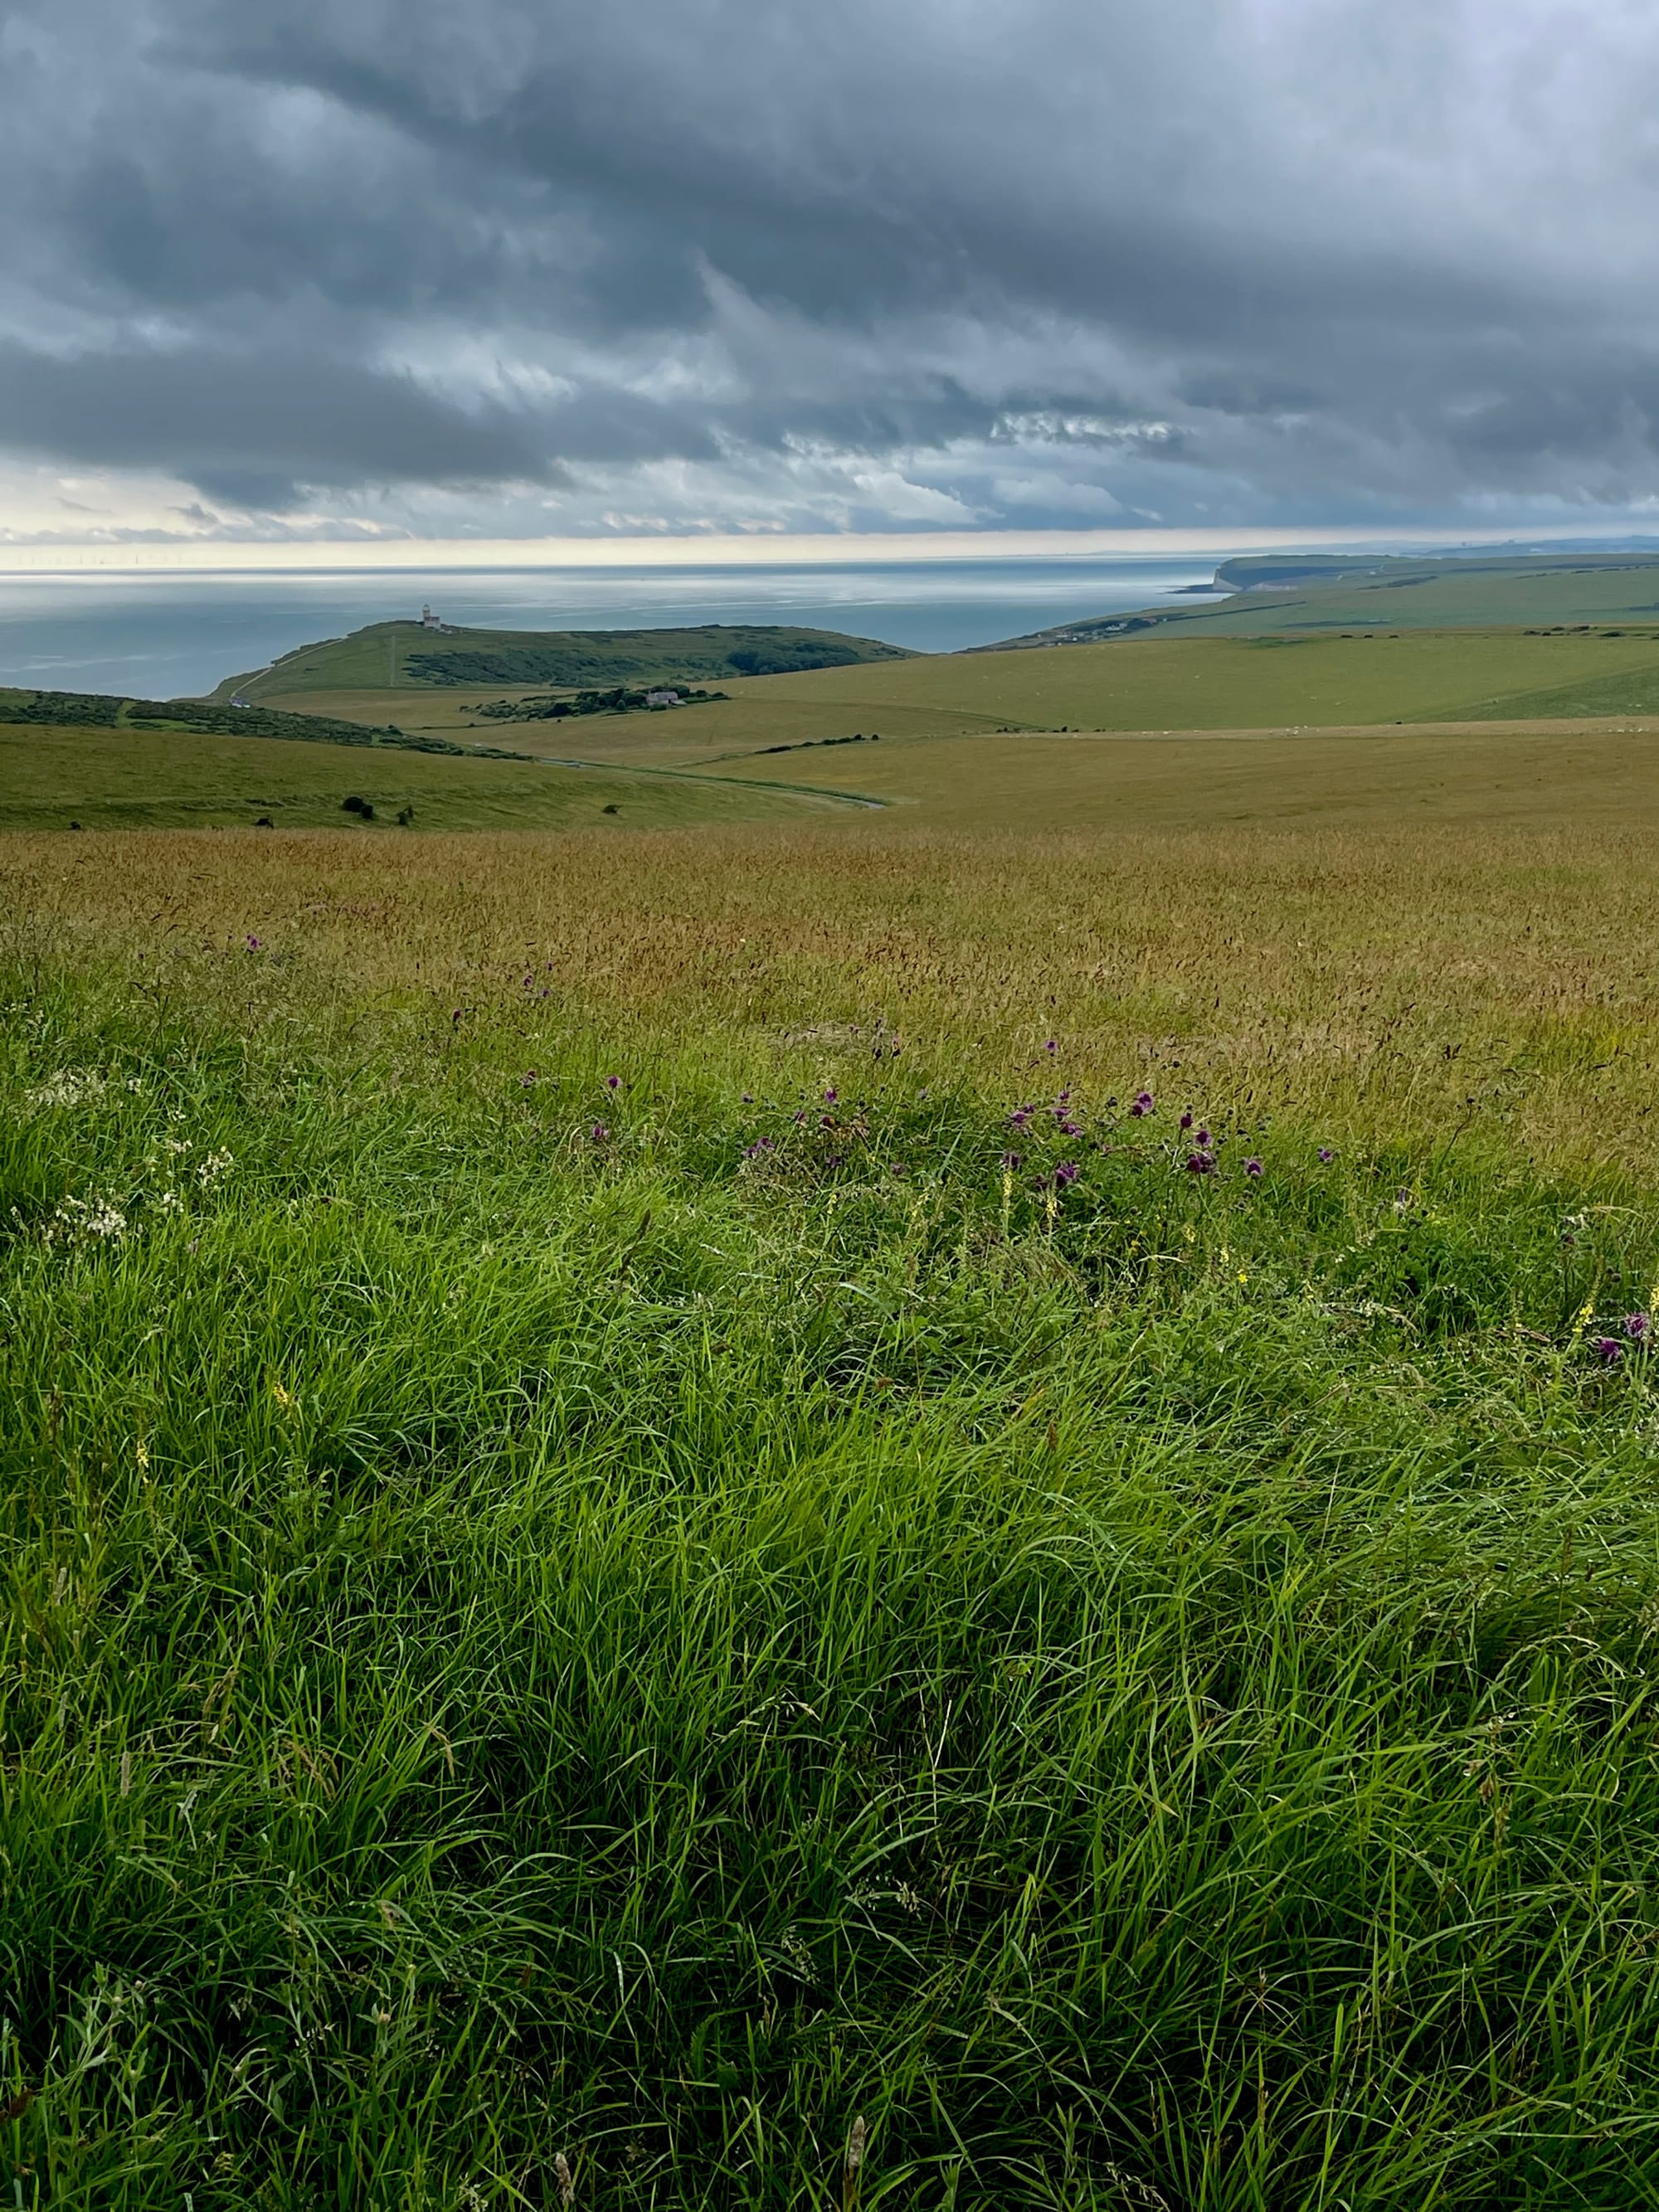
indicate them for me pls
(172, 635)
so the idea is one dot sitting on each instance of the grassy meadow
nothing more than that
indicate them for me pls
(767, 1502)
(102, 779)
(1157, 684)
(1456, 593)
(660, 1553)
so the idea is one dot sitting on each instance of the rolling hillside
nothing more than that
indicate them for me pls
(128, 777)
(1288, 595)
(406, 656)
(1161, 681)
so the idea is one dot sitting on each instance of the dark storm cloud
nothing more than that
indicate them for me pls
(263, 423)
(1254, 260)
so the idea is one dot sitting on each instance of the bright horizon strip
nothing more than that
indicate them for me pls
(738, 550)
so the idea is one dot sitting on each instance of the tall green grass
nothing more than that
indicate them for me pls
(552, 1666)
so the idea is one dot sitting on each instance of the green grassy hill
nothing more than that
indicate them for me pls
(1177, 683)
(130, 778)
(103, 710)
(403, 655)
(1285, 595)
(1158, 681)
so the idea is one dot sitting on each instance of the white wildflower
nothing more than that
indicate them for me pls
(213, 1167)
(78, 1218)
(71, 1086)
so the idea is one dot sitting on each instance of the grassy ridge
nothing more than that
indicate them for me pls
(1290, 595)
(1155, 685)
(404, 655)
(82, 710)
(127, 778)
(642, 1626)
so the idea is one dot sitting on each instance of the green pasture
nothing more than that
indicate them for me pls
(1376, 778)
(1163, 683)
(1451, 598)
(405, 656)
(112, 779)
(592, 1625)
(1448, 592)
(1142, 683)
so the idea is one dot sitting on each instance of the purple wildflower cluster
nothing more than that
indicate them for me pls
(1636, 1333)
(1045, 1139)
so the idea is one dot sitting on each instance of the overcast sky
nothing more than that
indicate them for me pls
(523, 268)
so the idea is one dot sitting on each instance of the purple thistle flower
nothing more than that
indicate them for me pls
(1053, 1045)
(1186, 1120)
(826, 1120)
(1326, 1155)
(1252, 1166)
(1069, 1129)
(831, 1095)
(1018, 1119)
(1608, 1349)
(1203, 1139)
(1201, 1163)
(1636, 1327)
(1143, 1103)
(599, 1133)
(613, 1083)
(1066, 1172)
(252, 944)
(1011, 1162)
(801, 1116)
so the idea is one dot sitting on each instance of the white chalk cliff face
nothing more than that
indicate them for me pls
(338, 268)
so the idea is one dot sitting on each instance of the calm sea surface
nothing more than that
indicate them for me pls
(161, 636)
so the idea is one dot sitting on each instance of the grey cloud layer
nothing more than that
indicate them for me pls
(1031, 260)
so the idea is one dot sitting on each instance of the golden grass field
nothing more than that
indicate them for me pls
(1496, 981)
(1399, 927)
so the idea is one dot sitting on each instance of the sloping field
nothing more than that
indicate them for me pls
(1405, 594)
(1138, 683)
(106, 779)
(1356, 776)
(1159, 683)
(1455, 597)
(755, 715)
(405, 655)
